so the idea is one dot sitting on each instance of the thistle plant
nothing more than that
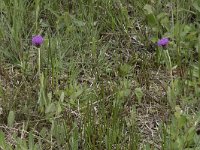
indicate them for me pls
(164, 43)
(37, 42)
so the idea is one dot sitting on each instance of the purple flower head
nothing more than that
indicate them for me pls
(163, 42)
(37, 40)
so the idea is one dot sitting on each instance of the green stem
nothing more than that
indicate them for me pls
(168, 63)
(39, 62)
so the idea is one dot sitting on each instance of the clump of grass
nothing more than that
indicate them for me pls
(103, 82)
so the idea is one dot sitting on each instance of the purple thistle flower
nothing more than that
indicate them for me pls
(163, 42)
(37, 40)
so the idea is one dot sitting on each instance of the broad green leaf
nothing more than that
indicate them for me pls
(59, 108)
(11, 118)
(196, 6)
(151, 19)
(51, 108)
(31, 141)
(148, 9)
(2, 139)
(62, 96)
(74, 138)
(190, 135)
(77, 94)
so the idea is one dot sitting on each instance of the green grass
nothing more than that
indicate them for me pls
(102, 81)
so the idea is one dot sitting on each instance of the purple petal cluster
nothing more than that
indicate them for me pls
(163, 42)
(37, 40)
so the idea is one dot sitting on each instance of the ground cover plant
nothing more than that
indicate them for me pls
(99, 74)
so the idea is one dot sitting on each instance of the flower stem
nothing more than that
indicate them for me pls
(168, 63)
(39, 62)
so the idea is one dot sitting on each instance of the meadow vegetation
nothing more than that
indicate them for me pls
(100, 80)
